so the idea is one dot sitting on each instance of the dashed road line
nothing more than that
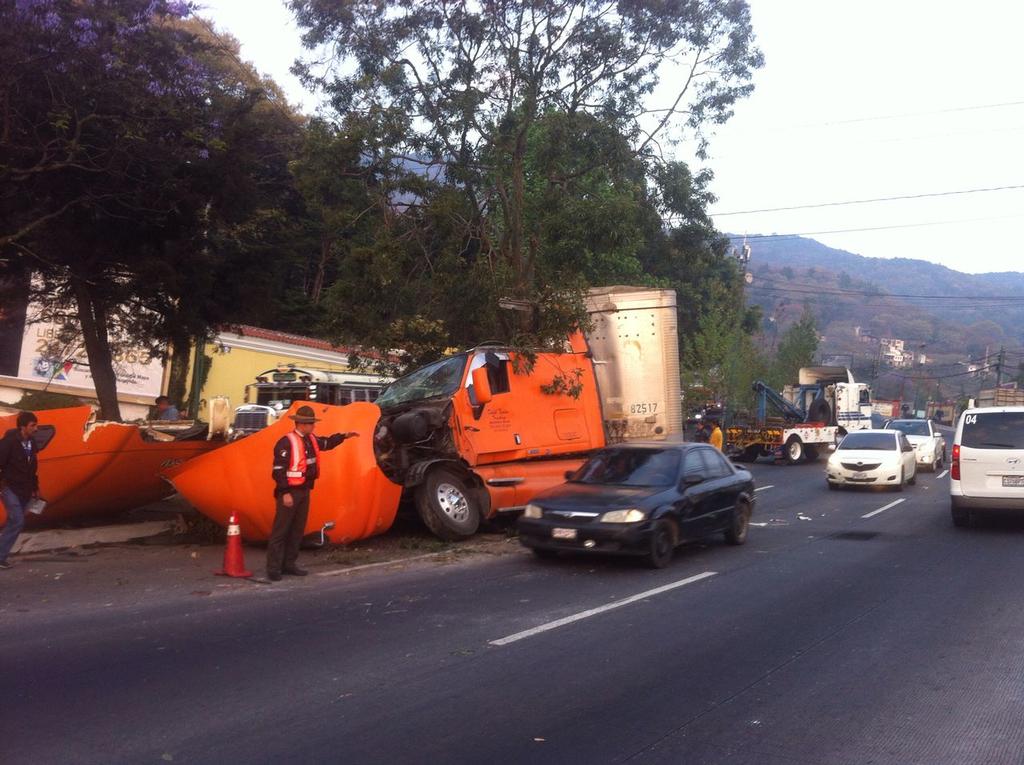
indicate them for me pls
(883, 509)
(941, 474)
(762, 488)
(600, 609)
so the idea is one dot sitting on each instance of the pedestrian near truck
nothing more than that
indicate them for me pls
(19, 482)
(715, 439)
(296, 468)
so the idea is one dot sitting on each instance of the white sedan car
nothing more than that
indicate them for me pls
(872, 458)
(929, 445)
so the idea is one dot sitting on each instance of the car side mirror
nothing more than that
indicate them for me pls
(569, 474)
(481, 386)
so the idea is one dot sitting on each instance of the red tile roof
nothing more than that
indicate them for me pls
(307, 342)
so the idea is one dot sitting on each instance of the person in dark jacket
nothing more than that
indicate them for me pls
(296, 468)
(19, 483)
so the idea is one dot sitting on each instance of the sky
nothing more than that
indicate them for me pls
(856, 101)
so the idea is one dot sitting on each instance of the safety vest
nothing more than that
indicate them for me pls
(297, 464)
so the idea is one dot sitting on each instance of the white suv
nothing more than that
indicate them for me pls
(987, 466)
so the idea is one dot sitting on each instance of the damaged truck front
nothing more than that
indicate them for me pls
(482, 432)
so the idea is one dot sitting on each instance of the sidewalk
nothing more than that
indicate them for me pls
(123, 576)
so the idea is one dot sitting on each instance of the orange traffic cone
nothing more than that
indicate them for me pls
(234, 558)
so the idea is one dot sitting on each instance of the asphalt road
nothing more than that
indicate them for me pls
(838, 634)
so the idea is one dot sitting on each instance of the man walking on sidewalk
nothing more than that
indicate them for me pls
(19, 483)
(296, 468)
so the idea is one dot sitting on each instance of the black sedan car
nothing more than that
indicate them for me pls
(641, 499)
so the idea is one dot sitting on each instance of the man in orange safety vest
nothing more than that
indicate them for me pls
(296, 468)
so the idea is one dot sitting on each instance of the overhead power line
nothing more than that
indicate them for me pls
(798, 234)
(869, 201)
(801, 288)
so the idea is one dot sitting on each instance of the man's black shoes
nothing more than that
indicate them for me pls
(296, 571)
(273, 577)
(5, 565)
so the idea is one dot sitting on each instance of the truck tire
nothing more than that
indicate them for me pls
(793, 450)
(819, 411)
(811, 453)
(447, 505)
(749, 454)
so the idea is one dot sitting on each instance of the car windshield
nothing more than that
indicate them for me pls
(909, 427)
(630, 467)
(441, 378)
(995, 430)
(883, 442)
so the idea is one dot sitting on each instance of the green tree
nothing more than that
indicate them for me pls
(138, 159)
(493, 101)
(796, 349)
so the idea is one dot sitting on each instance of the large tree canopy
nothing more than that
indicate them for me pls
(138, 157)
(524, 110)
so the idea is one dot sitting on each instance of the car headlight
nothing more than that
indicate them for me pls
(532, 511)
(632, 515)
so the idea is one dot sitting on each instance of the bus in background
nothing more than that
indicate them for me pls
(276, 389)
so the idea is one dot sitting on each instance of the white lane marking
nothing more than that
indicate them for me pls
(762, 488)
(600, 609)
(941, 474)
(883, 509)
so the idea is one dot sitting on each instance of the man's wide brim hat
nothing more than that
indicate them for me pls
(304, 414)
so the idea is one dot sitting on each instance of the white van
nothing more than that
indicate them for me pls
(987, 466)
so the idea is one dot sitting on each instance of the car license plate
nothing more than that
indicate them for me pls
(1013, 480)
(859, 476)
(563, 533)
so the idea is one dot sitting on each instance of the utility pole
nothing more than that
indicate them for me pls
(999, 368)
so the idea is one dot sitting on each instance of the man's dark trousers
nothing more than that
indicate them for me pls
(286, 534)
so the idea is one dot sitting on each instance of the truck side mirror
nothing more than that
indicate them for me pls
(481, 386)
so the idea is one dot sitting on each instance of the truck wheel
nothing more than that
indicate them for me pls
(811, 453)
(794, 450)
(447, 505)
(749, 454)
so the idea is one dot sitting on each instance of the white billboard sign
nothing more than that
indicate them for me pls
(52, 351)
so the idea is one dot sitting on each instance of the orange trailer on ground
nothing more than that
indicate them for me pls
(101, 468)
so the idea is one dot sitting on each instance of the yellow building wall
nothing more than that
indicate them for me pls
(235, 361)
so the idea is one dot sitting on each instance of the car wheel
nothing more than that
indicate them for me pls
(736, 534)
(811, 453)
(913, 479)
(544, 554)
(832, 486)
(794, 450)
(447, 506)
(899, 486)
(662, 544)
(940, 461)
(961, 516)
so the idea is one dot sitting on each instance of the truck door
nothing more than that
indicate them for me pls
(521, 421)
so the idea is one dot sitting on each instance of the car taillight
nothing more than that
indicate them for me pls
(954, 466)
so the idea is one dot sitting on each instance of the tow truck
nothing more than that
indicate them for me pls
(804, 419)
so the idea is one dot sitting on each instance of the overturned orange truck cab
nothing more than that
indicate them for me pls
(471, 435)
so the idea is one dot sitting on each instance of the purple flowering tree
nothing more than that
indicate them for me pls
(130, 166)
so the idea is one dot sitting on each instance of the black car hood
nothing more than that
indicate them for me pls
(581, 496)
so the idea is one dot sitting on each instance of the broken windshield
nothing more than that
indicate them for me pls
(441, 378)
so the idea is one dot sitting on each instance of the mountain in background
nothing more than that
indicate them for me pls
(950, 316)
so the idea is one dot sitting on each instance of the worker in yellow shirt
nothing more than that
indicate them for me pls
(716, 435)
